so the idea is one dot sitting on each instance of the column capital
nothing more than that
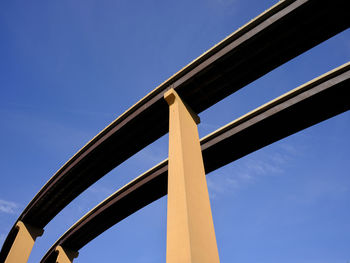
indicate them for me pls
(65, 255)
(34, 231)
(171, 97)
(23, 243)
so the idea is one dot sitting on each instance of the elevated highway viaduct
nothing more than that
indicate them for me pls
(317, 100)
(283, 32)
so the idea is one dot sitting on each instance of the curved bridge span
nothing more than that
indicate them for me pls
(307, 105)
(276, 36)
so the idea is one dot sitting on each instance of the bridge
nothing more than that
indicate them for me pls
(286, 30)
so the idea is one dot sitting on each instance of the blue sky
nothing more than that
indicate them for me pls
(69, 68)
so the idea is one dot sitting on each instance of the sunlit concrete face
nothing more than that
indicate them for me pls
(311, 103)
(190, 228)
(23, 243)
(65, 255)
(202, 73)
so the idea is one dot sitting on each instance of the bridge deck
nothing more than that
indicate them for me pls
(286, 30)
(298, 109)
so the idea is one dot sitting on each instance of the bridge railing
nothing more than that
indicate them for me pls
(276, 36)
(311, 103)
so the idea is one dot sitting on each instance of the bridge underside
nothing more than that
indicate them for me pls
(283, 32)
(303, 107)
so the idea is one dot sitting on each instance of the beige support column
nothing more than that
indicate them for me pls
(65, 255)
(190, 228)
(23, 244)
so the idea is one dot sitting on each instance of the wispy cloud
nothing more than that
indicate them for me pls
(100, 191)
(252, 169)
(318, 191)
(219, 187)
(8, 207)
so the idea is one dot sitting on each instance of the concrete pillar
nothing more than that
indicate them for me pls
(190, 228)
(23, 244)
(65, 255)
